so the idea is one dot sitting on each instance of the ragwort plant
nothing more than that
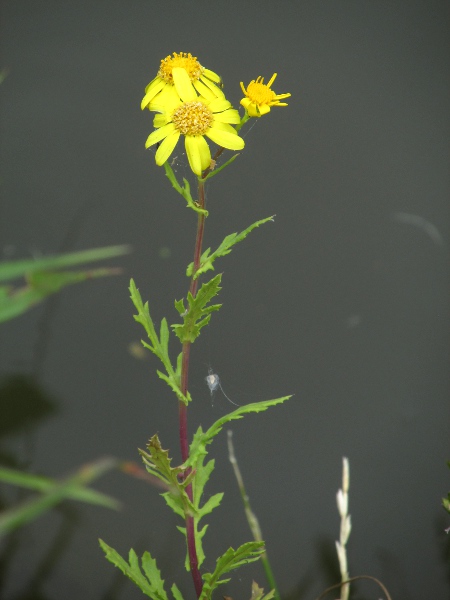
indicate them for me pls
(189, 101)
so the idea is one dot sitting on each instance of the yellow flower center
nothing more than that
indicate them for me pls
(260, 93)
(185, 61)
(193, 118)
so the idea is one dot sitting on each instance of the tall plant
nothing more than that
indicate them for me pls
(189, 101)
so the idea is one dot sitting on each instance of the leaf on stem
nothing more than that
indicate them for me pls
(149, 582)
(157, 463)
(202, 439)
(184, 190)
(159, 345)
(197, 315)
(230, 560)
(207, 259)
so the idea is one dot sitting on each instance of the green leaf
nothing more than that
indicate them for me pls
(203, 471)
(197, 315)
(52, 492)
(446, 503)
(41, 284)
(18, 268)
(230, 560)
(176, 593)
(158, 345)
(151, 583)
(202, 439)
(184, 190)
(158, 464)
(207, 260)
(258, 593)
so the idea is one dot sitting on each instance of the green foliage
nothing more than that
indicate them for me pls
(197, 315)
(202, 439)
(159, 345)
(207, 260)
(230, 560)
(157, 463)
(43, 280)
(258, 593)
(150, 581)
(52, 492)
(197, 455)
(184, 190)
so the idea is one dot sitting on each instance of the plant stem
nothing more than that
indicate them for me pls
(182, 408)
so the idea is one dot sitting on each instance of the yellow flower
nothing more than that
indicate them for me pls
(162, 87)
(194, 117)
(259, 97)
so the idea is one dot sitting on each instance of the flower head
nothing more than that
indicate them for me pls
(165, 85)
(194, 117)
(259, 97)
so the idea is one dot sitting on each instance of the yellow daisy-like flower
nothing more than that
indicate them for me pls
(259, 97)
(194, 117)
(164, 86)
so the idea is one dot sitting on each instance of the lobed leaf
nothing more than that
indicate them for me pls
(159, 345)
(207, 259)
(198, 314)
(151, 583)
(202, 439)
(230, 560)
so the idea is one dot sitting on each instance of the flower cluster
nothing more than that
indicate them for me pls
(189, 101)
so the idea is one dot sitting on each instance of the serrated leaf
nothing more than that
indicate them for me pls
(158, 463)
(151, 583)
(207, 260)
(202, 439)
(159, 345)
(153, 575)
(198, 314)
(230, 560)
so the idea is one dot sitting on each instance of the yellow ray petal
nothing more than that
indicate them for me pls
(225, 138)
(228, 116)
(166, 148)
(183, 85)
(159, 134)
(198, 153)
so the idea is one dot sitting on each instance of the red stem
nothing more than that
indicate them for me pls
(182, 408)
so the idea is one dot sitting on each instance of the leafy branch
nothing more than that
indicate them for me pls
(159, 344)
(197, 315)
(230, 560)
(150, 581)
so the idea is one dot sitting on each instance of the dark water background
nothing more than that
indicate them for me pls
(340, 302)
